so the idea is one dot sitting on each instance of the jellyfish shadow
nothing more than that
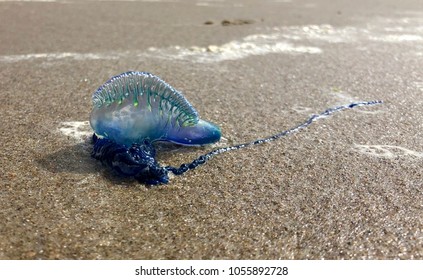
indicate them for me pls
(77, 159)
(69, 159)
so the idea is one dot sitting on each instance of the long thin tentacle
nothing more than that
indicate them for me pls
(206, 157)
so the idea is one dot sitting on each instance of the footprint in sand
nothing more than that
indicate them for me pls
(387, 151)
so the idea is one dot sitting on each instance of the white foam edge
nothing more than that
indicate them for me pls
(59, 56)
(387, 151)
(76, 130)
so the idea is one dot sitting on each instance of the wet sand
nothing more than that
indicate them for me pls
(348, 187)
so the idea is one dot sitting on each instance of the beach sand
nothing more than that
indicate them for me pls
(347, 187)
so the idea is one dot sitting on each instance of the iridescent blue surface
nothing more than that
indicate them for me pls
(137, 106)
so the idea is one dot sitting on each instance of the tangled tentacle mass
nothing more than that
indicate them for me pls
(137, 161)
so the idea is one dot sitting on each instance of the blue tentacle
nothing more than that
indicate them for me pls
(206, 157)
